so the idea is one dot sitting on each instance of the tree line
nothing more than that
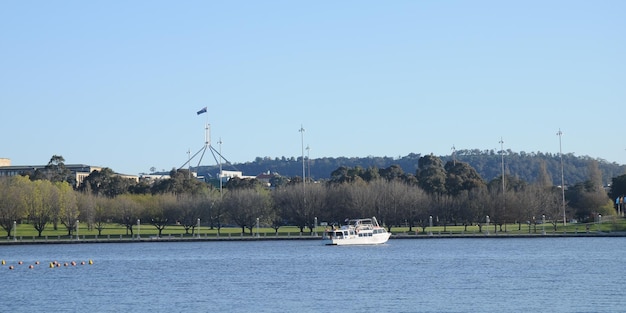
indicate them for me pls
(442, 194)
(486, 162)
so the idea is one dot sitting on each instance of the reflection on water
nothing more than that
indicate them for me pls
(439, 275)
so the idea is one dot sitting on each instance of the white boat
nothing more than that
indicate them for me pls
(362, 231)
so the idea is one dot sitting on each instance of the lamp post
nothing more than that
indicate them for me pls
(315, 226)
(14, 230)
(220, 174)
(308, 161)
(77, 236)
(198, 232)
(430, 225)
(301, 130)
(189, 162)
(503, 185)
(560, 133)
(543, 224)
(487, 221)
(138, 229)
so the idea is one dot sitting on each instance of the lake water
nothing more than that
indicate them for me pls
(430, 275)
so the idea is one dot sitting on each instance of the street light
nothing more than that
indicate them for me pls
(308, 161)
(503, 186)
(487, 227)
(430, 224)
(77, 236)
(301, 130)
(198, 232)
(560, 133)
(138, 229)
(220, 175)
(14, 231)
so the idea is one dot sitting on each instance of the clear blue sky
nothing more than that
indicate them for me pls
(118, 83)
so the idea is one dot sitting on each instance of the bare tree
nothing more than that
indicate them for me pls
(389, 201)
(477, 206)
(361, 199)
(127, 211)
(290, 201)
(315, 203)
(415, 205)
(187, 207)
(246, 205)
(102, 212)
(86, 203)
(162, 211)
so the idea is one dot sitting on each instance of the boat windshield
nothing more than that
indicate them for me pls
(360, 222)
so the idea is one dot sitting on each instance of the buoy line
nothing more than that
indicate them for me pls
(51, 264)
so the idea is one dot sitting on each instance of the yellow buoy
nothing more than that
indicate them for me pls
(51, 265)
(3, 263)
(90, 262)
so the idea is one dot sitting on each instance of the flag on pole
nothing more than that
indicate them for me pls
(202, 111)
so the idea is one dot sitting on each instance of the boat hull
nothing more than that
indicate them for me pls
(356, 240)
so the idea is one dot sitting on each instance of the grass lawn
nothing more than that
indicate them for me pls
(147, 230)
(116, 230)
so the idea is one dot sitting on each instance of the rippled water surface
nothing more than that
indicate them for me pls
(430, 275)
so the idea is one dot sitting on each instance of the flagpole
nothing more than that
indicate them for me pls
(207, 145)
(208, 139)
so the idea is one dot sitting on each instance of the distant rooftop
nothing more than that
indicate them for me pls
(5, 162)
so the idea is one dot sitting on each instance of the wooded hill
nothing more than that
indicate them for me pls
(488, 163)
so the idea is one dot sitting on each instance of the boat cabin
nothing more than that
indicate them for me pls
(341, 233)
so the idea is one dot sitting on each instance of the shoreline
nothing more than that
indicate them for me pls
(246, 238)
